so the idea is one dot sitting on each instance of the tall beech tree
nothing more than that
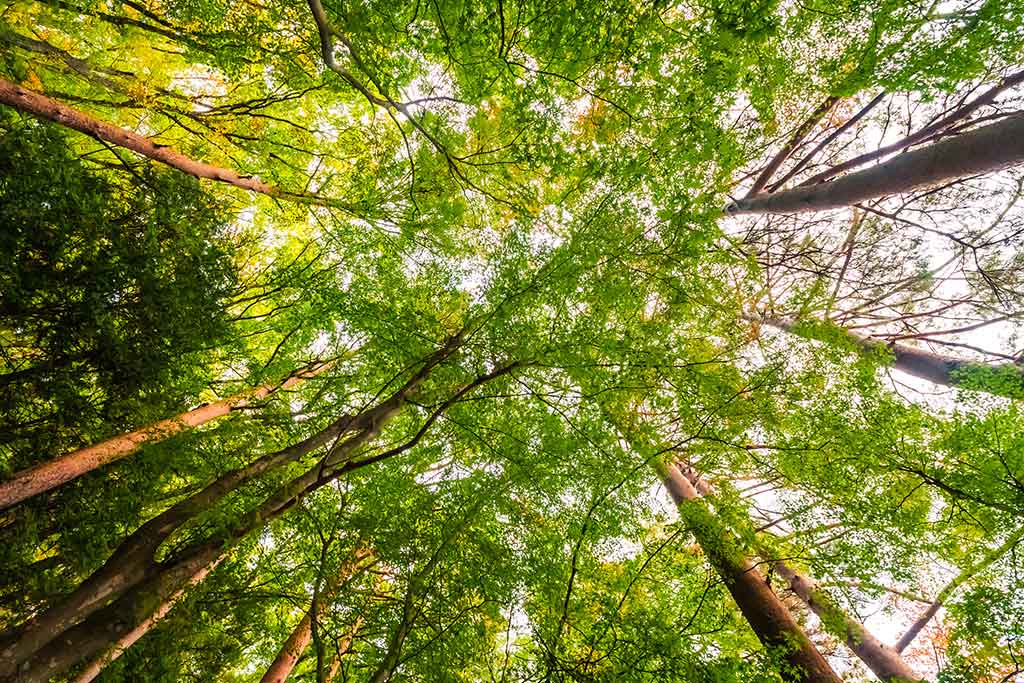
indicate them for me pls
(985, 150)
(768, 617)
(280, 282)
(883, 661)
(45, 476)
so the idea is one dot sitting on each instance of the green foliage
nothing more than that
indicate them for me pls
(109, 288)
(545, 179)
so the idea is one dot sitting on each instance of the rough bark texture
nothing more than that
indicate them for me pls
(767, 616)
(983, 150)
(301, 635)
(884, 661)
(53, 473)
(45, 108)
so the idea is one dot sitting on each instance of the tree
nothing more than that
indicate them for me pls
(45, 476)
(285, 281)
(985, 150)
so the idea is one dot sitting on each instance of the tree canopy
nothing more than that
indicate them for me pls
(511, 341)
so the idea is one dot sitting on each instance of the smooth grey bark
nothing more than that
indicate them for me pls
(946, 122)
(884, 661)
(982, 150)
(939, 368)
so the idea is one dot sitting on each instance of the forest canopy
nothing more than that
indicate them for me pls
(511, 341)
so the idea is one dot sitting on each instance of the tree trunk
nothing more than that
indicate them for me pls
(771, 622)
(299, 639)
(417, 587)
(983, 150)
(106, 626)
(43, 107)
(342, 650)
(93, 668)
(133, 561)
(938, 368)
(884, 661)
(942, 124)
(961, 578)
(62, 469)
(122, 620)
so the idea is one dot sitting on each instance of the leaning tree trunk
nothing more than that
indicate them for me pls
(134, 560)
(43, 107)
(93, 668)
(939, 368)
(62, 469)
(39, 656)
(983, 150)
(884, 661)
(771, 622)
(49, 654)
(160, 582)
(300, 636)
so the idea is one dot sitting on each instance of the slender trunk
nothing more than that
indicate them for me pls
(417, 588)
(64, 468)
(133, 560)
(788, 149)
(134, 557)
(343, 647)
(386, 669)
(93, 668)
(771, 622)
(983, 150)
(300, 637)
(46, 108)
(939, 368)
(961, 578)
(884, 661)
